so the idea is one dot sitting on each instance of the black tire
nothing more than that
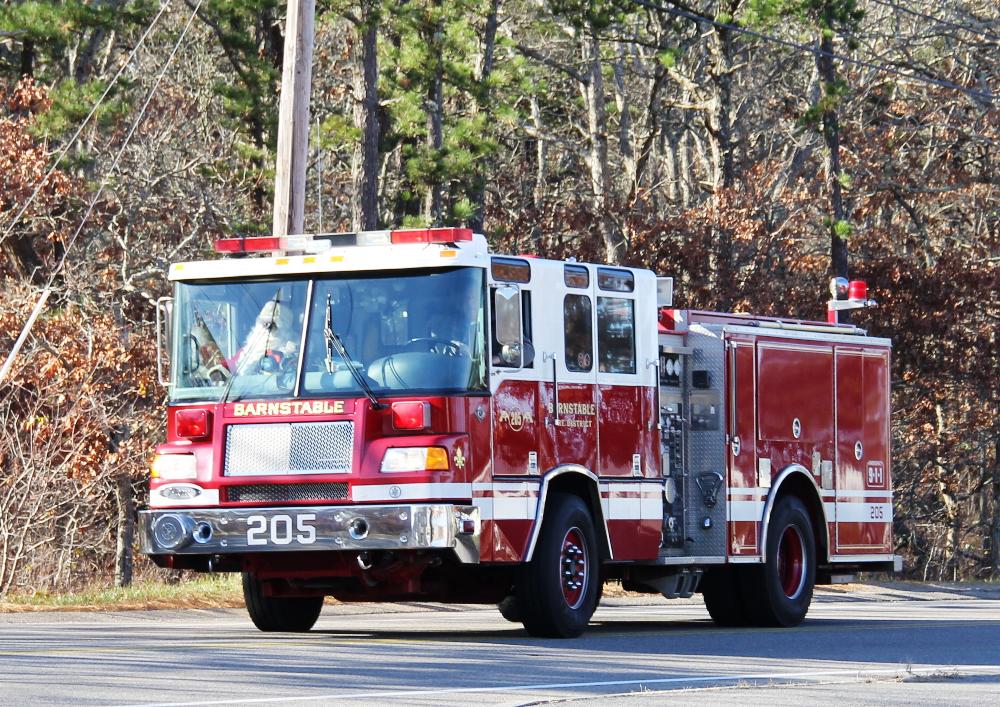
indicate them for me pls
(509, 609)
(780, 591)
(554, 604)
(723, 594)
(287, 614)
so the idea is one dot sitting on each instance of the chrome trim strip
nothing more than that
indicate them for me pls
(863, 558)
(856, 339)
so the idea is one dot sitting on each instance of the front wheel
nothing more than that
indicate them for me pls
(782, 589)
(559, 588)
(288, 614)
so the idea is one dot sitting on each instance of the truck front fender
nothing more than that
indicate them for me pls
(582, 480)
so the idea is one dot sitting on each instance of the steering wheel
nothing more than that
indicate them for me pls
(443, 347)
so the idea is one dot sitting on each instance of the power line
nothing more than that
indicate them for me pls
(816, 51)
(940, 21)
(62, 153)
(93, 202)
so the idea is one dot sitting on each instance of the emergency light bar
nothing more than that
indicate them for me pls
(317, 243)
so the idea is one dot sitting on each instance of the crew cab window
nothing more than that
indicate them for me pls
(615, 335)
(579, 335)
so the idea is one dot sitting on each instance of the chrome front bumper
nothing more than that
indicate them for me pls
(223, 531)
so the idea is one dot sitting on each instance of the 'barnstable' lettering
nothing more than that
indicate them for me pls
(296, 407)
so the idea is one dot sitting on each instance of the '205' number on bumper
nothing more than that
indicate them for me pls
(281, 529)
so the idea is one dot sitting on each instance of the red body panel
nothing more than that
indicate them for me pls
(743, 455)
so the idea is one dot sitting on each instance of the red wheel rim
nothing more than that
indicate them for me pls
(791, 562)
(573, 567)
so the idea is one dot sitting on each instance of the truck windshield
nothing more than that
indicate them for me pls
(410, 331)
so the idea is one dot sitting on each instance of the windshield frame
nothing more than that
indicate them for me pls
(477, 384)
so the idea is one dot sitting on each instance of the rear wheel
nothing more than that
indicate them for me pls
(723, 595)
(289, 614)
(559, 588)
(782, 589)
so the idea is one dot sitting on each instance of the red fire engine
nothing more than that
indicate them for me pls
(401, 415)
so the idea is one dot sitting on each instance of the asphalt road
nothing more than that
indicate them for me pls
(891, 645)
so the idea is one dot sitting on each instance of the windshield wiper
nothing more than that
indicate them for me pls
(333, 342)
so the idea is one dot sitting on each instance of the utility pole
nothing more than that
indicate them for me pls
(293, 119)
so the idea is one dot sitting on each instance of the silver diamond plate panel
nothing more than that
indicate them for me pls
(706, 451)
(289, 448)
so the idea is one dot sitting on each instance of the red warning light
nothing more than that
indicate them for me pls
(857, 290)
(411, 415)
(431, 235)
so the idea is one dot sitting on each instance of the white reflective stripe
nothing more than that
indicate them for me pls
(516, 486)
(636, 500)
(206, 497)
(514, 507)
(743, 491)
(410, 492)
(746, 510)
(624, 508)
(864, 512)
(651, 504)
(622, 488)
(862, 493)
(485, 506)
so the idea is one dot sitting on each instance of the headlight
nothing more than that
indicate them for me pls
(415, 459)
(174, 466)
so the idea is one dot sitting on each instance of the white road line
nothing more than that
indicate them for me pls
(861, 673)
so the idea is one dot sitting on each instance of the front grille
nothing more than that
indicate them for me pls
(282, 493)
(289, 448)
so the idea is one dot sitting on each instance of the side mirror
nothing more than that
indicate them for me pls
(164, 316)
(507, 304)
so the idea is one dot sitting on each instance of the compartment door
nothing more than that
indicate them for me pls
(746, 494)
(864, 501)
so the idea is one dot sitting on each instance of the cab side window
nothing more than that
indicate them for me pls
(615, 335)
(579, 334)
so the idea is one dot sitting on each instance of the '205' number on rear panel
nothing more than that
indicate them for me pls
(281, 529)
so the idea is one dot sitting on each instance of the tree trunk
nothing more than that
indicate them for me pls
(624, 119)
(28, 58)
(718, 125)
(541, 156)
(365, 165)
(995, 524)
(433, 197)
(718, 121)
(125, 502)
(478, 192)
(600, 180)
(831, 136)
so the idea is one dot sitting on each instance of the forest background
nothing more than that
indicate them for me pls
(749, 148)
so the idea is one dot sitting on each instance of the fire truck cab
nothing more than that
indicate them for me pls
(401, 415)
